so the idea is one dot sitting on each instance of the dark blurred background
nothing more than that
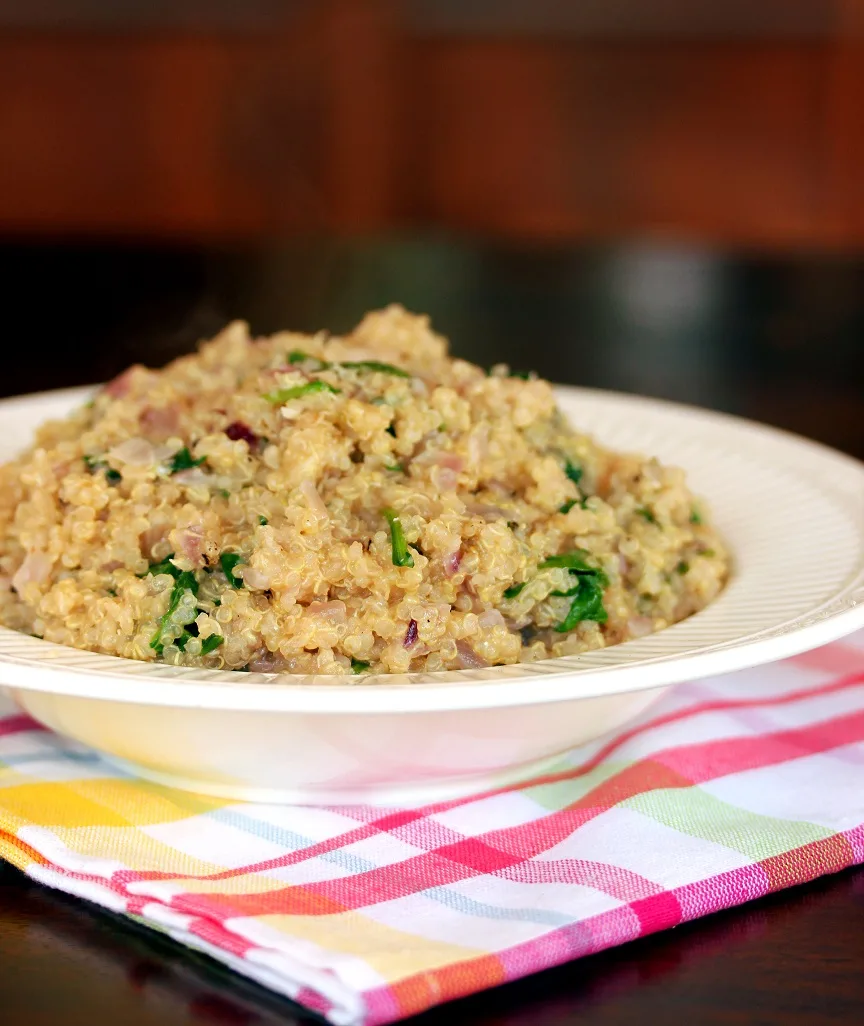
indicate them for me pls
(658, 196)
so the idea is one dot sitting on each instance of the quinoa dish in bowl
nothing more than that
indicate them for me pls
(319, 505)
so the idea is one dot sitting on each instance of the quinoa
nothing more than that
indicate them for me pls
(327, 505)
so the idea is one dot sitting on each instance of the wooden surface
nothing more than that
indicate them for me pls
(792, 959)
(199, 135)
(570, 140)
(377, 116)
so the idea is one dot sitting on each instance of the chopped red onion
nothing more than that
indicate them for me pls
(310, 494)
(240, 432)
(491, 618)
(450, 460)
(192, 544)
(639, 626)
(268, 662)
(162, 421)
(136, 452)
(468, 658)
(447, 479)
(253, 578)
(336, 612)
(119, 386)
(452, 561)
(36, 568)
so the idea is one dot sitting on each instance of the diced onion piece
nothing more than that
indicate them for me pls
(336, 612)
(136, 452)
(447, 479)
(468, 658)
(452, 562)
(253, 578)
(491, 618)
(478, 444)
(313, 499)
(119, 386)
(160, 420)
(194, 478)
(36, 569)
(639, 626)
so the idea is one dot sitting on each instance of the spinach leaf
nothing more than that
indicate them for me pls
(183, 460)
(569, 561)
(399, 547)
(586, 591)
(376, 366)
(112, 476)
(228, 561)
(587, 604)
(184, 581)
(283, 395)
(165, 567)
(298, 356)
(573, 471)
(211, 643)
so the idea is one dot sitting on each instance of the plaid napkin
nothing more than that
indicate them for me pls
(728, 789)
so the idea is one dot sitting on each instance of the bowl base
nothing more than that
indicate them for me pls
(402, 795)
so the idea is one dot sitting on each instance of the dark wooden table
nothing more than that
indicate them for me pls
(793, 959)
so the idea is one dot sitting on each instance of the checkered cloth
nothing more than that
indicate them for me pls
(728, 789)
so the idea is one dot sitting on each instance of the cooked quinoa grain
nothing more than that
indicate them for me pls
(310, 504)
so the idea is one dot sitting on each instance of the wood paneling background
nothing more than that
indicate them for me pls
(347, 116)
(219, 135)
(683, 139)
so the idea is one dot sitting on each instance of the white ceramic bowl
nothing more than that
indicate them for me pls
(792, 511)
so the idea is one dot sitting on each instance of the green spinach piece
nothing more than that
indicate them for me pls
(587, 604)
(183, 460)
(569, 561)
(165, 567)
(298, 356)
(283, 395)
(573, 471)
(228, 561)
(183, 582)
(398, 546)
(586, 591)
(92, 463)
(211, 643)
(376, 366)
